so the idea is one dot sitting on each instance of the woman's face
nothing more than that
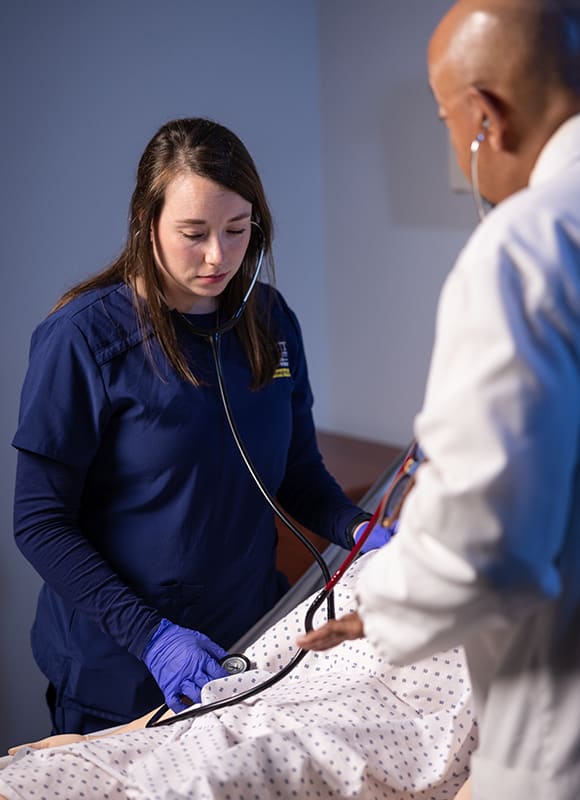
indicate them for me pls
(199, 241)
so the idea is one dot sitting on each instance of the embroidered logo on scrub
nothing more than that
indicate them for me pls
(283, 369)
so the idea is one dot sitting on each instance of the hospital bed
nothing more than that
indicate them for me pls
(312, 579)
(408, 717)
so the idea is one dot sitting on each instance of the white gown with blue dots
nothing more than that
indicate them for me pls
(344, 724)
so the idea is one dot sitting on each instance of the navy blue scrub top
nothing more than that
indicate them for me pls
(133, 503)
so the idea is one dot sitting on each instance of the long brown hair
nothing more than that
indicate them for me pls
(210, 150)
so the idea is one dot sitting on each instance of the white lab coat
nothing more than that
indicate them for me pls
(488, 549)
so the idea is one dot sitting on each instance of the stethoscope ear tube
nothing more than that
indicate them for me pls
(234, 319)
(215, 342)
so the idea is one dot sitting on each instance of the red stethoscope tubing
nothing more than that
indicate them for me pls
(408, 466)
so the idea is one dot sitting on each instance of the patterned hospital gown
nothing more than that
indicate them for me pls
(343, 724)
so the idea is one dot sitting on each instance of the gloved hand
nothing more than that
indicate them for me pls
(182, 661)
(378, 537)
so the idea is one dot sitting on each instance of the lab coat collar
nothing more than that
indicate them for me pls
(559, 152)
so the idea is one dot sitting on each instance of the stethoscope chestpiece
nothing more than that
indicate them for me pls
(235, 663)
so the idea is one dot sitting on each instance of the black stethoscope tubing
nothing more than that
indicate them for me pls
(213, 336)
(327, 592)
(214, 339)
(215, 342)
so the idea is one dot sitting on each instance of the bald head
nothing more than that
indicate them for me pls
(513, 67)
(517, 48)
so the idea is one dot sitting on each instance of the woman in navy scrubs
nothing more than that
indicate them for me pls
(132, 502)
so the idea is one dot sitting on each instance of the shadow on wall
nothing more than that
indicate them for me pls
(418, 185)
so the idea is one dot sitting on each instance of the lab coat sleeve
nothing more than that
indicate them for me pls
(481, 532)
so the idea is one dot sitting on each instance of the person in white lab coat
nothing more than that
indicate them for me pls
(487, 553)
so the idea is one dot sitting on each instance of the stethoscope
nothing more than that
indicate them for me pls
(214, 336)
(236, 663)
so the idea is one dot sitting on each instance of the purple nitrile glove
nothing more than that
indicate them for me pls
(378, 537)
(182, 661)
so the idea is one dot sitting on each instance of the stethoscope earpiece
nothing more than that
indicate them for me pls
(475, 145)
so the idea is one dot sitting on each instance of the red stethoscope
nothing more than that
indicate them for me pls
(386, 514)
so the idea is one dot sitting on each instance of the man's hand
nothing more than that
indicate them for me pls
(333, 632)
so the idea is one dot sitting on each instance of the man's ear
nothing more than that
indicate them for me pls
(492, 119)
